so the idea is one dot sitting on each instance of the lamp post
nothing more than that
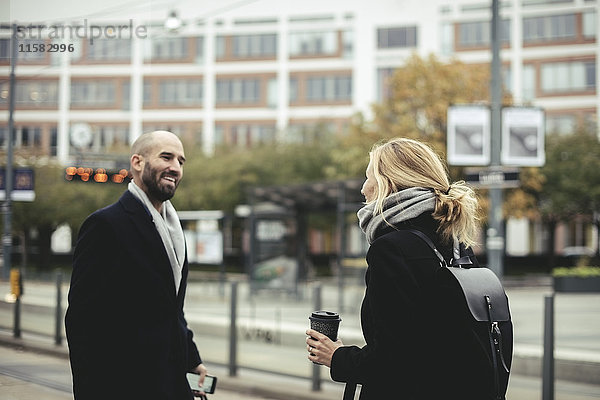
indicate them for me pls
(495, 233)
(8, 173)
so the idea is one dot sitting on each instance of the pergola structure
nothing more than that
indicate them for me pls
(297, 201)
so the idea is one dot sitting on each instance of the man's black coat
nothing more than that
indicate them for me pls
(127, 335)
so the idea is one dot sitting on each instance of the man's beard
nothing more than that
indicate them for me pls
(151, 179)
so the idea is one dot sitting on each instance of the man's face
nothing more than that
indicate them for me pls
(163, 169)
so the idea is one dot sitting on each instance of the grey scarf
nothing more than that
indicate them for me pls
(397, 207)
(169, 229)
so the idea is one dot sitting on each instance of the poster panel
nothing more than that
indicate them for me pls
(468, 135)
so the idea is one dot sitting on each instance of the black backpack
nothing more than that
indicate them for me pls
(472, 302)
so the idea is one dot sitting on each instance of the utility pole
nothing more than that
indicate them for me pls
(495, 233)
(8, 173)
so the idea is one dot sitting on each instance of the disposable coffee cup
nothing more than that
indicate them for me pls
(326, 322)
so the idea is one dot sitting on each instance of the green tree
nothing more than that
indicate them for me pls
(572, 179)
(221, 182)
(57, 202)
(420, 93)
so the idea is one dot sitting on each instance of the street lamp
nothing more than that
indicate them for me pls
(173, 23)
(8, 174)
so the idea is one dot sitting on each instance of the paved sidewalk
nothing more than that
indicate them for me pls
(27, 374)
(207, 310)
(33, 369)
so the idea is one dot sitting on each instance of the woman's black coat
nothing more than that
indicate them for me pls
(406, 355)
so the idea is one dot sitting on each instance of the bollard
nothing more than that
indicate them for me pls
(17, 318)
(548, 359)
(16, 288)
(233, 331)
(316, 369)
(58, 320)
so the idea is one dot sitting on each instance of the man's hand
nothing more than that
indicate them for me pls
(201, 371)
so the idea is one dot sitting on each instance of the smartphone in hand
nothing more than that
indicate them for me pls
(210, 384)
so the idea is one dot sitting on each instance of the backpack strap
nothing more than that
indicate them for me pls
(426, 239)
(456, 261)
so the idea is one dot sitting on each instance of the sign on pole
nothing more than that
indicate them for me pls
(523, 133)
(468, 135)
(23, 184)
(494, 177)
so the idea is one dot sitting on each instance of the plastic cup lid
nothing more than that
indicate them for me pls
(325, 315)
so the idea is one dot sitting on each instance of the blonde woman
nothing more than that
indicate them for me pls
(411, 351)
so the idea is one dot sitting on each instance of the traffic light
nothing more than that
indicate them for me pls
(98, 175)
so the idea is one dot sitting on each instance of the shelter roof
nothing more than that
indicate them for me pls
(313, 197)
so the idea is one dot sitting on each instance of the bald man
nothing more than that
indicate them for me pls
(127, 335)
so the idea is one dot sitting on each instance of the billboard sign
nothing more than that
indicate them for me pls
(523, 133)
(468, 135)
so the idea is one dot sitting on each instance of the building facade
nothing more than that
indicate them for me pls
(267, 70)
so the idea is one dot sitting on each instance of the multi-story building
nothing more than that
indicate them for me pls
(272, 70)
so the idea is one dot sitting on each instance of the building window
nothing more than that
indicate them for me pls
(254, 46)
(220, 48)
(293, 90)
(244, 135)
(303, 44)
(447, 38)
(272, 93)
(478, 33)
(4, 49)
(259, 46)
(126, 96)
(31, 93)
(219, 135)
(93, 93)
(560, 124)
(182, 92)
(168, 49)
(53, 141)
(147, 93)
(383, 83)
(589, 24)
(111, 137)
(309, 132)
(544, 2)
(109, 50)
(200, 49)
(248, 135)
(26, 138)
(405, 36)
(329, 88)
(549, 28)
(29, 137)
(348, 44)
(568, 76)
(528, 83)
(238, 91)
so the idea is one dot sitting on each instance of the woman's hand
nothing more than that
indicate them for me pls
(320, 347)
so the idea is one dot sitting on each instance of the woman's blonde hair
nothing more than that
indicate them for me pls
(404, 163)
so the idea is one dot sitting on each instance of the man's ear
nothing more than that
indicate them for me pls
(137, 162)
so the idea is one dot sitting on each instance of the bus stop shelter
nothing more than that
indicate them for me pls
(296, 202)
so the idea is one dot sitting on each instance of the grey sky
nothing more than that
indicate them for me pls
(65, 11)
